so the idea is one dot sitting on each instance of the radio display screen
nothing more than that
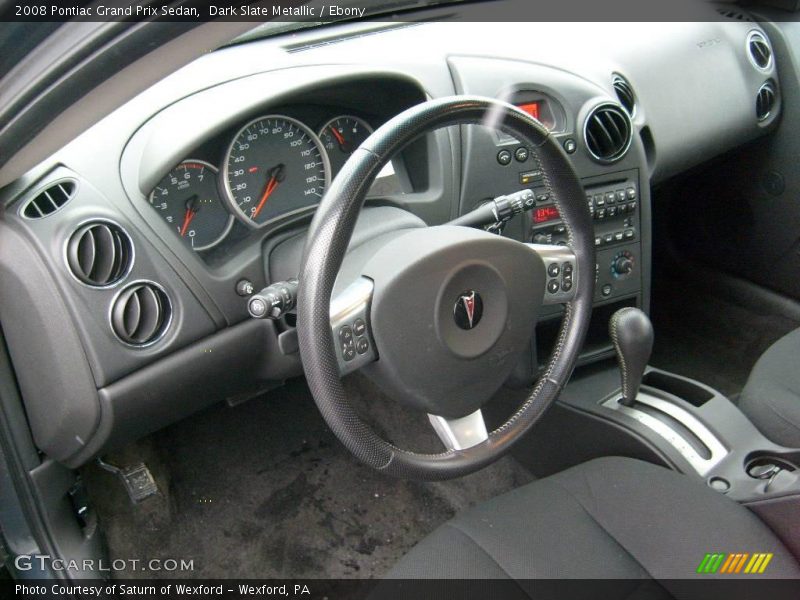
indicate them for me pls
(544, 214)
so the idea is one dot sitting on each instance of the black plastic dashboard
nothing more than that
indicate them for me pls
(118, 326)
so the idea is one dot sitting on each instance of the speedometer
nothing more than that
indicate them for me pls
(275, 165)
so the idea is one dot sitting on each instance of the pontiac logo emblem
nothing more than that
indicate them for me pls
(468, 310)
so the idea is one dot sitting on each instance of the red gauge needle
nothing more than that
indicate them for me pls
(191, 211)
(276, 175)
(338, 136)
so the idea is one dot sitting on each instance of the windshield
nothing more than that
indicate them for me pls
(309, 15)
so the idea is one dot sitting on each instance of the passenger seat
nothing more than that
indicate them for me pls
(771, 397)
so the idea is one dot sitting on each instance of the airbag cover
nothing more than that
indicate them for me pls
(430, 357)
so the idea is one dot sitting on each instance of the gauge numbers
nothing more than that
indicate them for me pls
(274, 166)
(188, 200)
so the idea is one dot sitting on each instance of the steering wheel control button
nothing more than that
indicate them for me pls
(348, 351)
(521, 154)
(568, 269)
(362, 345)
(359, 327)
(468, 310)
(504, 157)
(553, 270)
(346, 335)
(552, 286)
(570, 146)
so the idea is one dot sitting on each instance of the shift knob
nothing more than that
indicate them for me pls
(632, 334)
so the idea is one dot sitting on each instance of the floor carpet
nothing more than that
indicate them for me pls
(265, 490)
(708, 338)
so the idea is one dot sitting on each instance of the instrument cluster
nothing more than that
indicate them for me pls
(273, 166)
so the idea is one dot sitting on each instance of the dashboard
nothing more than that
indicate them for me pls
(132, 251)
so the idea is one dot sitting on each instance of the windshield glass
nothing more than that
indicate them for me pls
(346, 10)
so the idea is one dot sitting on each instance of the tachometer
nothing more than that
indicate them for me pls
(188, 199)
(275, 165)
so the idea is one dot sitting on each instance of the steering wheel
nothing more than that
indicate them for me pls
(437, 316)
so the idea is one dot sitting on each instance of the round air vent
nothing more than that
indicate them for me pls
(625, 93)
(141, 314)
(608, 133)
(759, 50)
(765, 101)
(99, 253)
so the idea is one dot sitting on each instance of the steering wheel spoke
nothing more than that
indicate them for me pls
(461, 433)
(351, 328)
(561, 267)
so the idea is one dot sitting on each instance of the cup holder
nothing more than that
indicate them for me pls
(760, 465)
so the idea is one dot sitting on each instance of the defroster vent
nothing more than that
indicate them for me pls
(50, 199)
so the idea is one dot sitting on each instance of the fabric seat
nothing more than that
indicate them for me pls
(771, 397)
(607, 518)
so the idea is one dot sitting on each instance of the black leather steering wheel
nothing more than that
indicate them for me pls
(438, 315)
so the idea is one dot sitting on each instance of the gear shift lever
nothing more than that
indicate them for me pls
(632, 334)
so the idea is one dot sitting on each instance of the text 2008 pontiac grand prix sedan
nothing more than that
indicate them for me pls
(414, 296)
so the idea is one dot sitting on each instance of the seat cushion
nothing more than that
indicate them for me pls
(607, 518)
(771, 397)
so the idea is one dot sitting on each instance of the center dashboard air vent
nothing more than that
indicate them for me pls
(759, 50)
(141, 314)
(99, 253)
(765, 101)
(608, 133)
(624, 93)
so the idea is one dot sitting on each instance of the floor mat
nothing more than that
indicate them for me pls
(710, 339)
(265, 490)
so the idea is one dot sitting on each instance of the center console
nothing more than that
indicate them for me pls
(630, 409)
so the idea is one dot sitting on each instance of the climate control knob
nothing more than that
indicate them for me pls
(622, 264)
